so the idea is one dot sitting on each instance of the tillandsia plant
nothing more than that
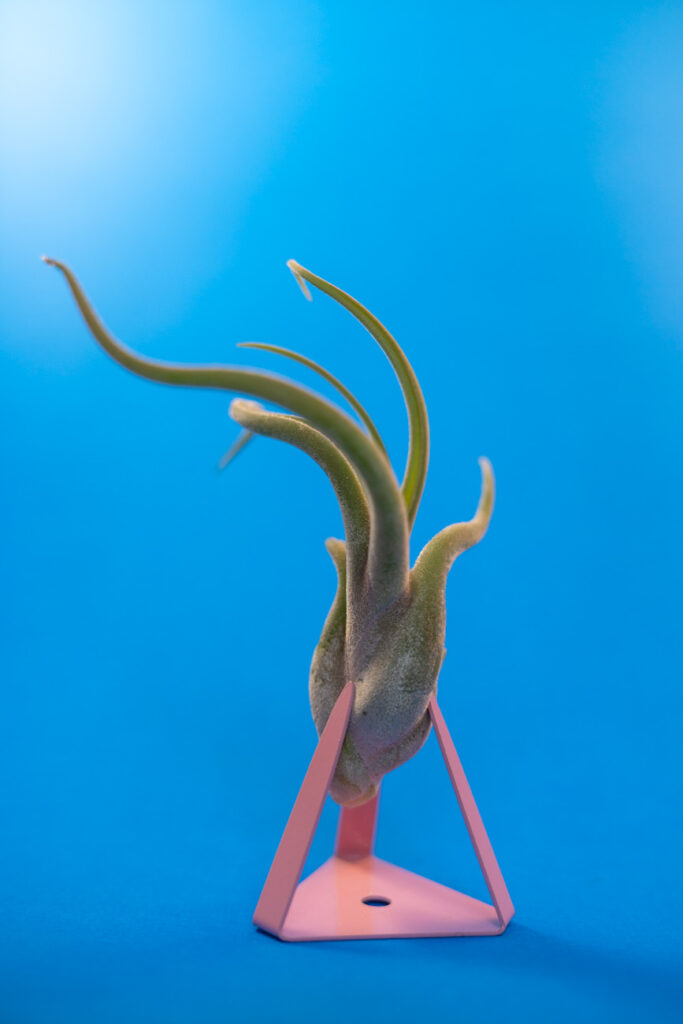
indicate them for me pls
(385, 630)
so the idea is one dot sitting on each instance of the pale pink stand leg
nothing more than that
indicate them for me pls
(332, 903)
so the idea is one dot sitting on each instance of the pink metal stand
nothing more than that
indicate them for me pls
(355, 895)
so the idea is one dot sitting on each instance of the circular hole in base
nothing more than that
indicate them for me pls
(376, 901)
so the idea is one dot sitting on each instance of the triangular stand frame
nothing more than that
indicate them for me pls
(355, 895)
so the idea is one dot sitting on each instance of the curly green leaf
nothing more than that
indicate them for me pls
(437, 557)
(294, 431)
(330, 378)
(418, 449)
(388, 554)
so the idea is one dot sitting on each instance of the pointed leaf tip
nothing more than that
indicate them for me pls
(234, 450)
(296, 269)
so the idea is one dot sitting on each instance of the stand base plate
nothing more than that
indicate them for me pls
(332, 904)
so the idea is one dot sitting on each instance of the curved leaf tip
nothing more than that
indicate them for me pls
(488, 491)
(245, 405)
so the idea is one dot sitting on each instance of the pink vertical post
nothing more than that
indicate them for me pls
(356, 831)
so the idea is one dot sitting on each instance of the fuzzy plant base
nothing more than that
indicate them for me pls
(386, 627)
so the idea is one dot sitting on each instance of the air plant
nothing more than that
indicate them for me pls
(385, 630)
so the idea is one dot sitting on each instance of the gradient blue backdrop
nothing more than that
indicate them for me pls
(500, 183)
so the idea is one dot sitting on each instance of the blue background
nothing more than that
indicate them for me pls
(501, 184)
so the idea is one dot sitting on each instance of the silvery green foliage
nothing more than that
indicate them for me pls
(385, 629)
